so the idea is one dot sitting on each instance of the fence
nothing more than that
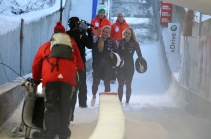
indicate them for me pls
(195, 65)
(18, 46)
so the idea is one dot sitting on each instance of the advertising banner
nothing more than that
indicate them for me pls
(173, 38)
(166, 13)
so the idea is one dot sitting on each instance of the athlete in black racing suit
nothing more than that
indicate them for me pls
(126, 48)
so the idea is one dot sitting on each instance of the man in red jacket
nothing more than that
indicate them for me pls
(58, 76)
(98, 22)
(116, 33)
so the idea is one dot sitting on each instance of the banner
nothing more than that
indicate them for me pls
(166, 13)
(94, 8)
(173, 38)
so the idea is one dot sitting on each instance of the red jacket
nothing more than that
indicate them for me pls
(41, 69)
(117, 29)
(100, 23)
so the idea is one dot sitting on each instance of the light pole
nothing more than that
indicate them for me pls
(61, 9)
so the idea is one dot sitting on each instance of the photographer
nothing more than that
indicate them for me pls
(82, 33)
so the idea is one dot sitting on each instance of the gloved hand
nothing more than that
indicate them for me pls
(89, 31)
(79, 78)
(141, 67)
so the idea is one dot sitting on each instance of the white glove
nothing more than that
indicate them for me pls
(141, 68)
(95, 38)
(121, 64)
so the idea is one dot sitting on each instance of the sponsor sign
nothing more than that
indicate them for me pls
(173, 38)
(166, 12)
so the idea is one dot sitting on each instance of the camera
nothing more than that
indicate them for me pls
(83, 26)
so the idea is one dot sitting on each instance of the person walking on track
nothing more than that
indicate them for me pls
(98, 22)
(126, 48)
(103, 65)
(116, 33)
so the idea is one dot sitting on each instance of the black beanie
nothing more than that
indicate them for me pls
(73, 21)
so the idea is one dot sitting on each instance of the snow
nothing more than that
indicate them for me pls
(79, 9)
(10, 21)
(151, 113)
(12, 7)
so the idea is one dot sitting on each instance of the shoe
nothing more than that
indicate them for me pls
(93, 102)
(126, 104)
(113, 81)
(83, 106)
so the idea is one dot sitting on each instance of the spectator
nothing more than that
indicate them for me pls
(126, 48)
(116, 33)
(80, 32)
(58, 74)
(103, 65)
(99, 22)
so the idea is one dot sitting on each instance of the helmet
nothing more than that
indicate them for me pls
(116, 60)
(141, 65)
(121, 63)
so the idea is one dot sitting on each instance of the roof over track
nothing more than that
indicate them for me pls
(203, 6)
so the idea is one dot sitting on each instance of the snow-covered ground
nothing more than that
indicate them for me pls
(151, 113)
(17, 7)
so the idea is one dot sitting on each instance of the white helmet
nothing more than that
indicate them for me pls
(121, 64)
(116, 60)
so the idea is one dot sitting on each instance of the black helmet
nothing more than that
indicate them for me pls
(141, 65)
(73, 22)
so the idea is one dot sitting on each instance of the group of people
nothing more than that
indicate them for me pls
(60, 65)
(109, 39)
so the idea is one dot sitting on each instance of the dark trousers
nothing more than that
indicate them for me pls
(125, 74)
(57, 100)
(99, 70)
(73, 102)
(114, 74)
(82, 95)
(94, 51)
(82, 92)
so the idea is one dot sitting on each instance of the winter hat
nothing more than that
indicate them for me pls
(102, 9)
(59, 28)
(73, 21)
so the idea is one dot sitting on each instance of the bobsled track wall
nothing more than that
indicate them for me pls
(11, 93)
(185, 97)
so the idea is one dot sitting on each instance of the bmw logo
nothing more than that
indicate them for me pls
(173, 27)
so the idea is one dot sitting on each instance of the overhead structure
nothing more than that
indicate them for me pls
(202, 6)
